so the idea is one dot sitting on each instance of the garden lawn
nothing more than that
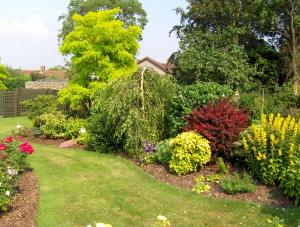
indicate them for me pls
(80, 188)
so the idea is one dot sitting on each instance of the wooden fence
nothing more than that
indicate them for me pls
(10, 101)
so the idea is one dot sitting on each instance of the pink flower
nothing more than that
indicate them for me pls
(26, 148)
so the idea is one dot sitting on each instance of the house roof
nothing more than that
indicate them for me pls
(167, 68)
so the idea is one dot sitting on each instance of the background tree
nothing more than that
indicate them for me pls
(4, 74)
(101, 46)
(267, 30)
(208, 57)
(132, 13)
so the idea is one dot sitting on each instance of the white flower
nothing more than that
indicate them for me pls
(102, 225)
(11, 172)
(7, 193)
(89, 226)
(18, 126)
(161, 218)
(82, 131)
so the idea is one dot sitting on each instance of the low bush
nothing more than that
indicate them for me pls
(52, 125)
(257, 103)
(190, 151)
(190, 97)
(128, 112)
(233, 184)
(271, 150)
(77, 99)
(74, 127)
(200, 185)
(13, 162)
(163, 152)
(221, 123)
(40, 105)
(222, 168)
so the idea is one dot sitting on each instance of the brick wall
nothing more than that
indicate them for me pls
(46, 85)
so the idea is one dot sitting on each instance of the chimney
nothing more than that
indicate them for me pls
(42, 69)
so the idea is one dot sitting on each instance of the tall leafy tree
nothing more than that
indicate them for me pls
(101, 47)
(208, 57)
(210, 35)
(132, 12)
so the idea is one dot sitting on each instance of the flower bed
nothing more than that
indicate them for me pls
(13, 162)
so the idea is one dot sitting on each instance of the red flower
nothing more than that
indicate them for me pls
(26, 148)
(2, 147)
(8, 139)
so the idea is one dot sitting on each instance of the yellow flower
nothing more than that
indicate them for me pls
(246, 147)
(271, 118)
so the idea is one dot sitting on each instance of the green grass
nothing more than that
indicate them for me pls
(80, 188)
(7, 125)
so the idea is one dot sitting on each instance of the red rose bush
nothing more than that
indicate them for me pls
(13, 162)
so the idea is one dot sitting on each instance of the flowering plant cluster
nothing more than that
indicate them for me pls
(13, 153)
(272, 151)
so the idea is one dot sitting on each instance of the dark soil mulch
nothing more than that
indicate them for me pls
(263, 194)
(24, 209)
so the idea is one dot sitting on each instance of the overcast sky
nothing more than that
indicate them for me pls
(28, 31)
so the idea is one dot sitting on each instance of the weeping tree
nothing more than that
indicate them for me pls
(130, 111)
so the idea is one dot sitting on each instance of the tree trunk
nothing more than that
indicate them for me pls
(294, 52)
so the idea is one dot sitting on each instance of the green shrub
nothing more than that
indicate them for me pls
(257, 103)
(53, 125)
(190, 97)
(290, 181)
(76, 98)
(271, 150)
(235, 184)
(190, 151)
(6, 187)
(163, 153)
(123, 115)
(40, 105)
(222, 168)
(200, 186)
(213, 178)
(73, 127)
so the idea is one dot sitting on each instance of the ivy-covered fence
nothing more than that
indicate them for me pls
(10, 101)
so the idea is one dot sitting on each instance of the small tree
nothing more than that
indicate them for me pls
(100, 45)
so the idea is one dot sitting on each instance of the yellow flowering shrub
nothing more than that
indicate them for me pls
(190, 151)
(272, 151)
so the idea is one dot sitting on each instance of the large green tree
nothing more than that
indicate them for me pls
(101, 47)
(209, 57)
(132, 12)
(268, 31)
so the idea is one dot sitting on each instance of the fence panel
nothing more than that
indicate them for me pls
(10, 101)
(1, 103)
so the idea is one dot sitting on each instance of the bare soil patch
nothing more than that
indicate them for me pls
(270, 195)
(24, 208)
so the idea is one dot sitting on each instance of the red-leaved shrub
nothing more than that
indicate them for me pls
(220, 122)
